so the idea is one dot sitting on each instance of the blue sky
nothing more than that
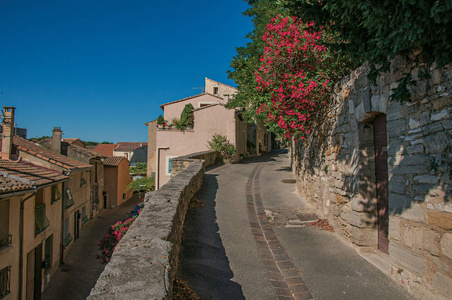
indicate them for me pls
(99, 69)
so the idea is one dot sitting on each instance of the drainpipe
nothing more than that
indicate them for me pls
(157, 171)
(21, 241)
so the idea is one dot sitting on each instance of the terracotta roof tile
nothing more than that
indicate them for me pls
(113, 160)
(17, 176)
(86, 151)
(48, 155)
(105, 149)
(129, 146)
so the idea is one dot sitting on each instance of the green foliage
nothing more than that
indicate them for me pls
(160, 120)
(378, 31)
(144, 184)
(186, 117)
(246, 62)
(175, 122)
(221, 144)
(90, 143)
(37, 139)
(106, 143)
(140, 168)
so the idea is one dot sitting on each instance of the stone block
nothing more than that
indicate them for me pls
(414, 124)
(407, 258)
(447, 124)
(415, 149)
(437, 143)
(396, 128)
(442, 283)
(441, 115)
(426, 179)
(446, 244)
(440, 219)
(432, 128)
(408, 170)
(412, 160)
(360, 204)
(396, 187)
(424, 118)
(358, 219)
(363, 237)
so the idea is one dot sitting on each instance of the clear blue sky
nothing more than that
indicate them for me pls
(100, 68)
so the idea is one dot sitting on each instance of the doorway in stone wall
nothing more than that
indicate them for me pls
(381, 173)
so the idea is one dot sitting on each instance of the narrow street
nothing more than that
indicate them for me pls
(246, 239)
(75, 279)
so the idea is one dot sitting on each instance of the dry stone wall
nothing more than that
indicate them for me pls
(335, 167)
(145, 261)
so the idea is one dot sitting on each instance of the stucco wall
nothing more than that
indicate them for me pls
(175, 109)
(152, 140)
(110, 185)
(335, 169)
(208, 121)
(124, 180)
(223, 89)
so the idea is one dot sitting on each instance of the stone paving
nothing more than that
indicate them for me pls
(75, 279)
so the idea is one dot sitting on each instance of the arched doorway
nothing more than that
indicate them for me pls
(381, 173)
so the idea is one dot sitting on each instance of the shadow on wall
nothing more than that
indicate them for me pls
(202, 250)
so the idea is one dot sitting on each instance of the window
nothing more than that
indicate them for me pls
(215, 90)
(67, 238)
(69, 200)
(39, 197)
(84, 216)
(5, 281)
(5, 237)
(169, 165)
(56, 195)
(123, 196)
(41, 221)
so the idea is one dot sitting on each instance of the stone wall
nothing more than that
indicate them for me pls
(335, 168)
(145, 261)
(180, 163)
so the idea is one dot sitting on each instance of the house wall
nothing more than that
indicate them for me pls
(126, 154)
(110, 185)
(223, 89)
(209, 121)
(152, 140)
(139, 155)
(335, 170)
(82, 198)
(9, 256)
(174, 110)
(31, 241)
(124, 180)
(97, 187)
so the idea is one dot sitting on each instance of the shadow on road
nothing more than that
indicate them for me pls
(203, 260)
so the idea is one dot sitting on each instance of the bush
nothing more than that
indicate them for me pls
(160, 120)
(221, 144)
(144, 184)
(186, 117)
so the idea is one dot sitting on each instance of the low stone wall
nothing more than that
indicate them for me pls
(335, 169)
(180, 163)
(145, 261)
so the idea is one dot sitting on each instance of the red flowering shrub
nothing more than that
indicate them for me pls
(114, 234)
(297, 72)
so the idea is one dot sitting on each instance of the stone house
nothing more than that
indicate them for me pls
(132, 151)
(74, 148)
(31, 224)
(117, 179)
(380, 171)
(210, 117)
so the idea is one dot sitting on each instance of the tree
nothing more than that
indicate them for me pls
(160, 120)
(186, 117)
(246, 62)
(143, 184)
(378, 31)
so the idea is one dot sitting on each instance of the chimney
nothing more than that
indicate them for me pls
(8, 131)
(56, 139)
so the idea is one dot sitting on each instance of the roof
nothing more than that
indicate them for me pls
(129, 146)
(105, 149)
(48, 155)
(86, 151)
(72, 140)
(208, 106)
(18, 176)
(113, 160)
(188, 98)
(220, 83)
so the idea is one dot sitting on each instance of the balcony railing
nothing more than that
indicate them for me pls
(5, 242)
(5, 281)
(41, 221)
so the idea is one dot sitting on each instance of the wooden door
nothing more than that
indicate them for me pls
(38, 273)
(381, 172)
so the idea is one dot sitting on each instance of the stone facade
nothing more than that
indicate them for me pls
(335, 167)
(145, 261)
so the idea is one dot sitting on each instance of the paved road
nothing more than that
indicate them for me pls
(75, 279)
(247, 242)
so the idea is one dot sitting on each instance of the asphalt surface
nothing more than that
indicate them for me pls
(247, 240)
(75, 279)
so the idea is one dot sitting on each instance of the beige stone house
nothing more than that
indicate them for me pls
(117, 179)
(210, 117)
(31, 223)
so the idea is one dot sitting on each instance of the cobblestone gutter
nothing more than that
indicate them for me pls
(145, 261)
